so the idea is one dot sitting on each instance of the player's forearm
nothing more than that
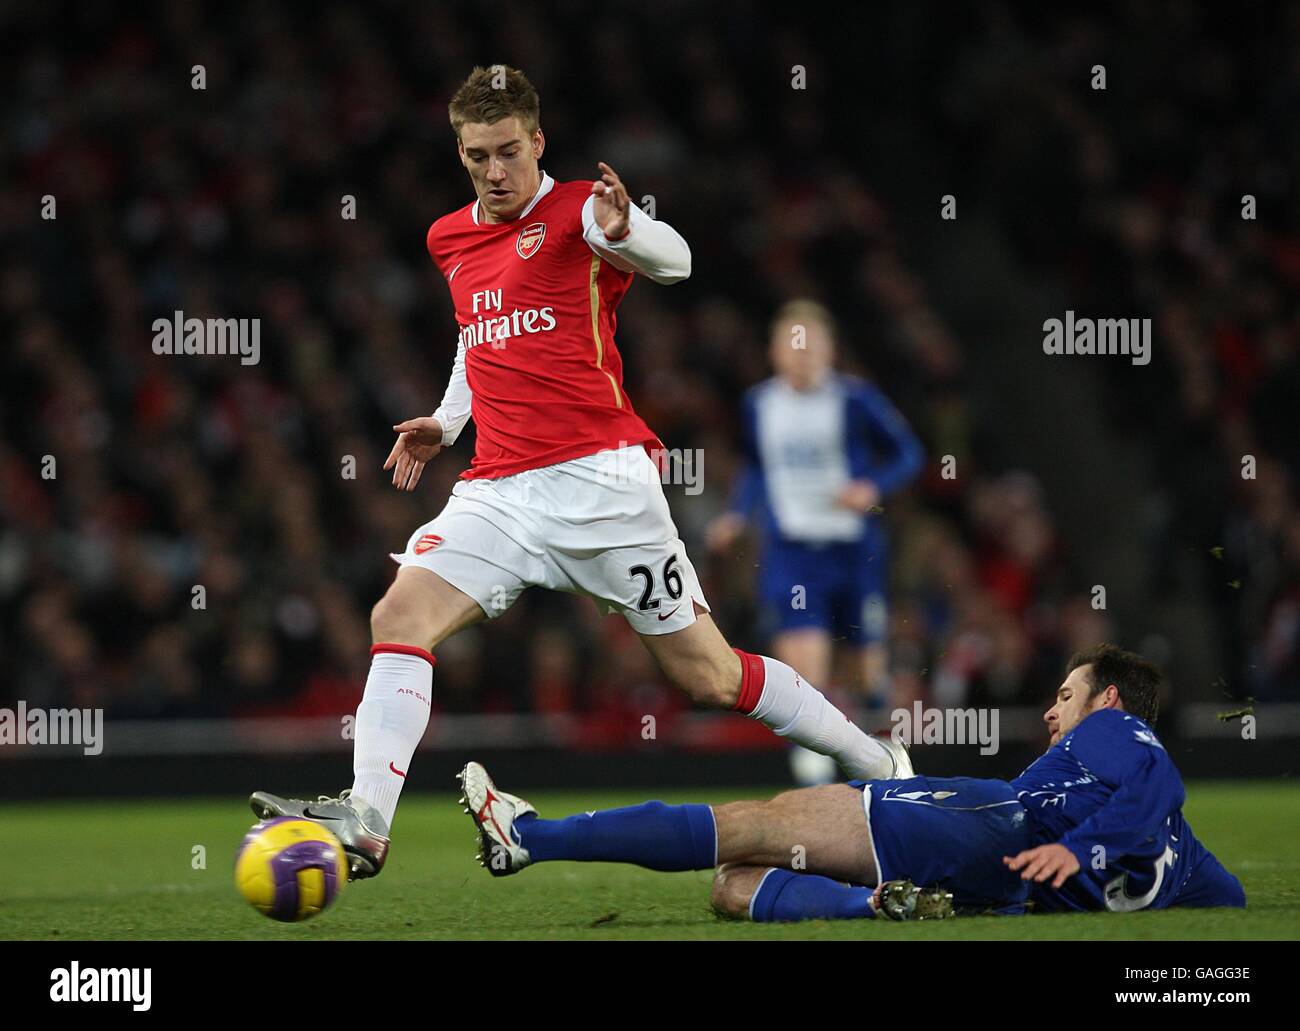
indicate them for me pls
(653, 248)
(902, 469)
(454, 411)
(877, 420)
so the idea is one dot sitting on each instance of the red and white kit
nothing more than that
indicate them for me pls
(561, 492)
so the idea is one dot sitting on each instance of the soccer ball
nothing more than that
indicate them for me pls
(290, 869)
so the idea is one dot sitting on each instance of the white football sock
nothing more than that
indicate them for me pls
(793, 708)
(391, 719)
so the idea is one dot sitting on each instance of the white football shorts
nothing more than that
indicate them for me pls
(597, 525)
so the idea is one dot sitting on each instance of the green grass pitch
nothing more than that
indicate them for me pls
(119, 870)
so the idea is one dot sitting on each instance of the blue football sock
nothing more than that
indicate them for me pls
(786, 895)
(654, 835)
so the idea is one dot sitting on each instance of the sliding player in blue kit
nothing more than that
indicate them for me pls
(1094, 824)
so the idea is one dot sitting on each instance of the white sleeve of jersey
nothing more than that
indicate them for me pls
(453, 413)
(653, 248)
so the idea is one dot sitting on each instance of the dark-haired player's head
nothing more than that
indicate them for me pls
(803, 343)
(1104, 677)
(495, 114)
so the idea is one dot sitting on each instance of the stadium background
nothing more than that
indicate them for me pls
(225, 202)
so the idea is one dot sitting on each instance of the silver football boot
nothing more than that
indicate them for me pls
(360, 828)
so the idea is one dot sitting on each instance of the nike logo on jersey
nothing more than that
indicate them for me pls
(670, 614)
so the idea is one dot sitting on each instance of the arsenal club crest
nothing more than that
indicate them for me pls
(530, 238)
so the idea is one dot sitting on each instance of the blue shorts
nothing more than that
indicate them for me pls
(843, 587)
(951, 833)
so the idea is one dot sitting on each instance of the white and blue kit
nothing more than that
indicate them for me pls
(1107, 791)
(801, 448)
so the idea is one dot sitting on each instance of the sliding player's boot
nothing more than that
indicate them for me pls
(903, 900)
(360, 828)
(494, 813)
(899, 752)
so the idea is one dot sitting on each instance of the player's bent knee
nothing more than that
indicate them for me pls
(733, 886)
(393, 622)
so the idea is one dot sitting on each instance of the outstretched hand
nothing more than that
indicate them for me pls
(418, 441)
(612, 203)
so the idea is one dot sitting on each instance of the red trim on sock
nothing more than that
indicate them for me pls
(753, 674)
(403, 649)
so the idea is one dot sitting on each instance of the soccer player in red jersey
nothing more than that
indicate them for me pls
(562, 492)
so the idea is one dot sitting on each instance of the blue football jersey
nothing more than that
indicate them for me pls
(1109, 792)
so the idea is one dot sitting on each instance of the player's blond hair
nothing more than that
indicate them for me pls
(490, 94)
(802, 310)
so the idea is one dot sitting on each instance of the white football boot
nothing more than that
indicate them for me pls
(494, 813)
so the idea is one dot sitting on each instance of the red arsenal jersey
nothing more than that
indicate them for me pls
(535, 305)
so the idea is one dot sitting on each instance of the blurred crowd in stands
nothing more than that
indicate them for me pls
(172, 474)
(1178, 199)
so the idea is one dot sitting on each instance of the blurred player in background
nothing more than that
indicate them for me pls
(562, 492)
(821, 450)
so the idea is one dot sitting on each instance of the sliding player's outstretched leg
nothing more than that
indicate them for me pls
(654, 835)
(804, 855)
(822, 829)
